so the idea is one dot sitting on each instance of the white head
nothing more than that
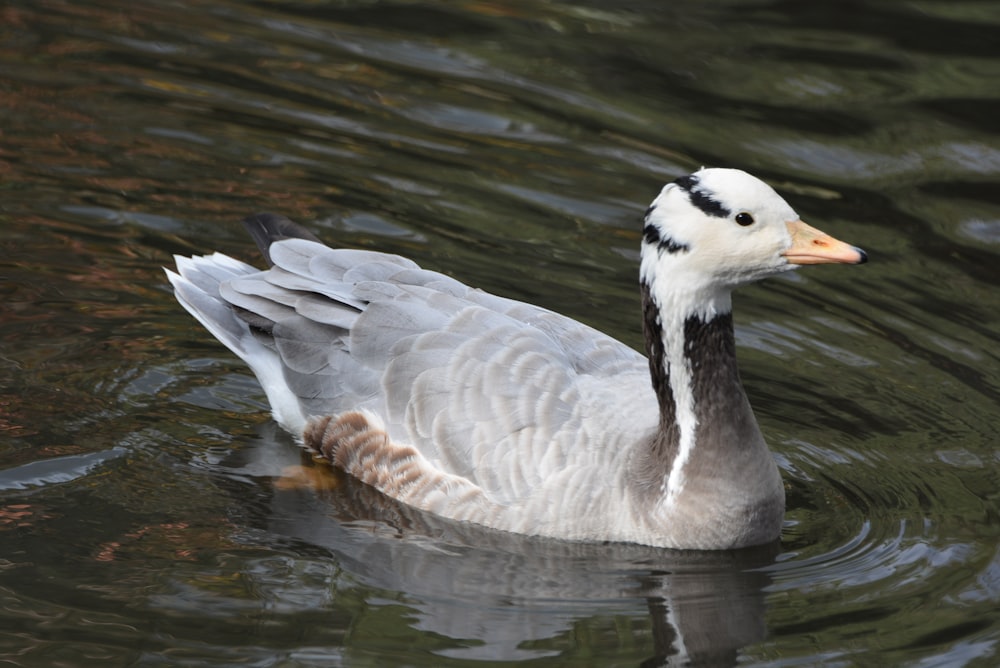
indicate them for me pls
(718, 228)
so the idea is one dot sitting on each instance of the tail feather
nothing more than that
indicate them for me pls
(196, 284)
(198, 292)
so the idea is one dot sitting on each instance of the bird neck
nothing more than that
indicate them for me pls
(692, 361)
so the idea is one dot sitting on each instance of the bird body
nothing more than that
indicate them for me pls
(489, 410)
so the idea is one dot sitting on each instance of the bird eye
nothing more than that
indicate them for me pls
(744, 219)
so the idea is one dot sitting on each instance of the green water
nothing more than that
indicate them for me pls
(514, 146)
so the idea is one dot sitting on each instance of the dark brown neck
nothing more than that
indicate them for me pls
(659, 371)
(720, 407)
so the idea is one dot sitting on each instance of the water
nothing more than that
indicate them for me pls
(143, 516)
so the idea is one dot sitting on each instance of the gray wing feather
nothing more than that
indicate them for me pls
(484, 387)
(336, 290)
(258, 297)
(319, 308)
(310, 347)
(314, 260)
(295, 255)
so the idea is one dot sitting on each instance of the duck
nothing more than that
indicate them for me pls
(483, 409)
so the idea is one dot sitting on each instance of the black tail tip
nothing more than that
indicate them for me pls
(267, 228)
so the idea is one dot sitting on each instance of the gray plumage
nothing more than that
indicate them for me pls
(490, 410)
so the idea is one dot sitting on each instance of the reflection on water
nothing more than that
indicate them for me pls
(143, 516)
(509, 597)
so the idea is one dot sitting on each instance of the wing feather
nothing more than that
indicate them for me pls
(511, 398)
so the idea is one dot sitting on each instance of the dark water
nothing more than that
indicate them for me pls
(514, 145)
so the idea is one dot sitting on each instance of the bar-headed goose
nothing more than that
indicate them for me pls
(489, 410)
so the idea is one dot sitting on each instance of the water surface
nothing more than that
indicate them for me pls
(144, 516)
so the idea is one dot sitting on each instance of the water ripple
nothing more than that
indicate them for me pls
(56, 470)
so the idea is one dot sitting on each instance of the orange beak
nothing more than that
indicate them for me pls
(810, 246)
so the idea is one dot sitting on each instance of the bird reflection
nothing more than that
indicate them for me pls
(508, 597)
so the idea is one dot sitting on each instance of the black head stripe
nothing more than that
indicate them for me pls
(687, 183)
(701, 199)
(653, 236)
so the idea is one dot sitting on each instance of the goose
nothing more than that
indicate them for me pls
(484, 409)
